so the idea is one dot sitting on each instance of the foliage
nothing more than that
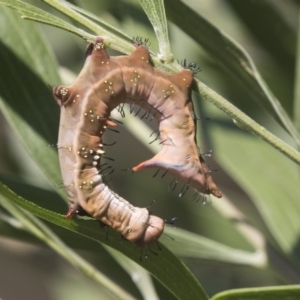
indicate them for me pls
(252, 233)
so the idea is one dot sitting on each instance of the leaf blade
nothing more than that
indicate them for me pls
(291, 292)
(232, 56)
(155, 11)
(166, 267)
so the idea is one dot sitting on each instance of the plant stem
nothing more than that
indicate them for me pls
(245, 122)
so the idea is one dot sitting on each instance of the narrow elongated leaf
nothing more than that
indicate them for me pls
(166, 267)
(185, 244)
(268, 178)
(287, 292)
(296, 102)
(111, 37)
(139, 276)
(155, 11)
(25, 96)
(231, 55)
(190, 245)
(41, 231)
(280, 40)
(108, 27)
(31, 12)
(206, 92)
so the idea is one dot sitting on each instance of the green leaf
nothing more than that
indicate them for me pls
(31, 12)
(155, 11)
(296, 107)
(108, 32)
(41, 231)
(267, 177)
(206, 93)
(25, 97)
(139, 276)
(183, 243)
(165, 266)
(190, 245)
(106, 26)
(231, 55)
(36, 124)
(287, 292)
(270, 37)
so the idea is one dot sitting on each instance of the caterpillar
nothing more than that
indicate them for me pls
(103, 84)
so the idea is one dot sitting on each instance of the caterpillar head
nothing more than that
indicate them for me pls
(152, 233)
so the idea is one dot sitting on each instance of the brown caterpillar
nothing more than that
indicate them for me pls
(101, 86)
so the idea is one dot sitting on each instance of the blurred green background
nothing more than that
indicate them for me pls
(261, 184)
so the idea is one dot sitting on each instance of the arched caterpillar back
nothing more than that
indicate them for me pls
(102, 85)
